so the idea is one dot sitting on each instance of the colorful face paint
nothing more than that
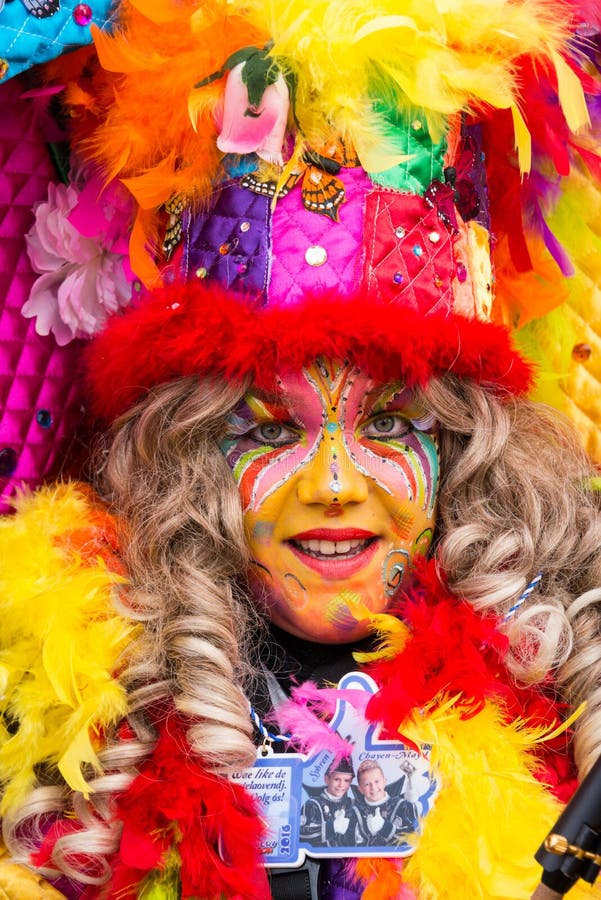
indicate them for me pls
(338, 478)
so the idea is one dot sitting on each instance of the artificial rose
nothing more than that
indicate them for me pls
(78, 245)
(262, 131)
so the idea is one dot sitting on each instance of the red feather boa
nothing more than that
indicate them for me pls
(455, 650)
(191, 329)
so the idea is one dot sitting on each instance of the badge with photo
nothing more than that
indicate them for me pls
(369, 804)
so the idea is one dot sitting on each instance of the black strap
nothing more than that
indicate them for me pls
(295, 884)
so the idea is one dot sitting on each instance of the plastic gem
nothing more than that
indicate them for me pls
(316, 255)
(3, 67)
(417, 250)
(245, 226)
(434, 237)
(44, 418)
(82, 14)
(581, 352)
(224, 249)
(8, 461)
(461, 273)
(400, 232)
(201, 273)
(397, 278)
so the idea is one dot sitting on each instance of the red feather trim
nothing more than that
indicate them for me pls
(194, 329)
(214, 824)
(455, 650)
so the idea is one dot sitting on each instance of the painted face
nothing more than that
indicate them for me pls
(372, 785)
(338, 783)
(338, 477)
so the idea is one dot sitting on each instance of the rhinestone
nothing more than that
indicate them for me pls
(316, 255)
(137, 285)
(244, 227)
(201, 273)
(44, 418)
(8, 461)
(434, 237)
(581, 352)
(334, 486)
(82, 14)
(416, 125)
(242, 268)
(438, 281)
(224, 249)
(461, 273)
(418, 250)
(400, 232)
(397, 278)
(3, 68)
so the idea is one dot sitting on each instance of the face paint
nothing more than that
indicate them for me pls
(338, 478)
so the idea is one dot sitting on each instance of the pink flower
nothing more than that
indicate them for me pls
(261, 132)
(78, 245)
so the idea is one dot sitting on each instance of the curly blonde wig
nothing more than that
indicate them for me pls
(515, 499)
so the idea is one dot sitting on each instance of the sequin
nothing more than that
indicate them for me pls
(434, 237)
(418, 250)
(3, 68)
(461, 273)
(201, 273)
(44, 418)
(397, 278)
(581, 352)
(244, 227)
(82, 14)
(400, 232)
(316, 255)
(8, 461)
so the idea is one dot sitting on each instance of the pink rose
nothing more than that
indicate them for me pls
(263, 131)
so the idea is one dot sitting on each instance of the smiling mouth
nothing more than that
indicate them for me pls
(334, 553)
(320, 549)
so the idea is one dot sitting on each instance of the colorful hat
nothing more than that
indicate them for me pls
(364, 181)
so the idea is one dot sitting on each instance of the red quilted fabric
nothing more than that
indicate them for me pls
(40, 398)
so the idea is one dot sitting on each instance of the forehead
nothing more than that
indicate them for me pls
(333, 384)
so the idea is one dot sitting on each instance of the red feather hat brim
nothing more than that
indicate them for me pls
(195, 329)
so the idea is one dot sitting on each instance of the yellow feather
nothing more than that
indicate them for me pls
(61, 641)
(490, 814)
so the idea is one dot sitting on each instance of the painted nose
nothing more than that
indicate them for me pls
(332, 475)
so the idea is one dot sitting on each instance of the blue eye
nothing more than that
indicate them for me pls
(273, 433)
(386, 426)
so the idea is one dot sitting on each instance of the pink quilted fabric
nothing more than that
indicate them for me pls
(40, 400)
(299, 236)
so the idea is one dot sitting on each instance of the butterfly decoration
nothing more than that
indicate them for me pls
(173, 232)
(321, 190)
(458, 191)
(40, 9)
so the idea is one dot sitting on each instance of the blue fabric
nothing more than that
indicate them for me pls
(26, 40)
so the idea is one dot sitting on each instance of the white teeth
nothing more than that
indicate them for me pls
(327, 548)
(331, 548)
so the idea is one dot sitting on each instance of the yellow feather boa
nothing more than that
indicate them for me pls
(60, 639)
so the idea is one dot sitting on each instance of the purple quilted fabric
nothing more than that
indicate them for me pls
(231, 243)
(40, 400)
(310, 250)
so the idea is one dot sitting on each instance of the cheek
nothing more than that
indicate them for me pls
(407, 471)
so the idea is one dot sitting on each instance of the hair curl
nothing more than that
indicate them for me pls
(515, 499)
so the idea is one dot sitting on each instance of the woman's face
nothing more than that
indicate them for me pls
(338, 477)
